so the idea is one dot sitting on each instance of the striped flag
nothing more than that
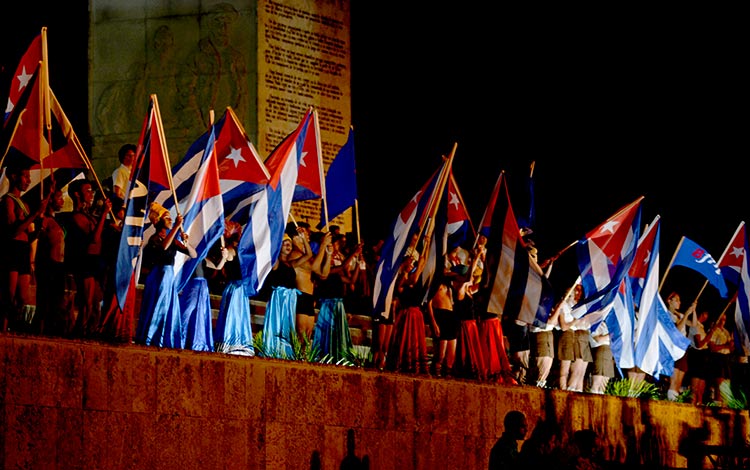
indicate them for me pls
(657, 341)
(405, 232)
(604, 257)
(268, 211)
(201, 208)
(621, 324)
(519, 289)
(150, 176)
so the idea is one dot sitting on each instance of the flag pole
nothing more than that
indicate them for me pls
(669, 266)
(47, 117)
(356, 219)
(165, 152)
(437, 193)
(319, 151)
(211, 117)
(12, 135)
(557, 255)
(79, 147)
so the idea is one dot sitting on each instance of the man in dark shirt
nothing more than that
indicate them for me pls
(504, 454)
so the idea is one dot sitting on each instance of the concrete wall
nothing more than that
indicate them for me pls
(68, 404)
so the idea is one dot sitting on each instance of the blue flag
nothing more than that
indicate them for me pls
(341, 182)
(691, 255)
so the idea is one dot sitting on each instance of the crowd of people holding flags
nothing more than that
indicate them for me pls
(482, 293)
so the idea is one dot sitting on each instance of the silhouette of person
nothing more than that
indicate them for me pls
(351, 461)
(504, 454)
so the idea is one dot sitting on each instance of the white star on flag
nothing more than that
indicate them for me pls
(236, 156)
(609, 226)
(23, 79)
(454, 200)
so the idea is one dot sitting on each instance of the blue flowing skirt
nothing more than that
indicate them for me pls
(160, 322)
(195, 304)
(234, 333)
(280, 323)
(332, 336)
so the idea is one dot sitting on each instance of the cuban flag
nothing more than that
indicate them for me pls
(241, 170)
(457, 216)
(621, 324)
(639, 269)
(25, 70)
(730, 262)
(408, 225)
(201, 208)
(8, 152)
(621, 319)
(519, 289)
(150, 176)
(310, 182)
(742, 306)
(269, 209)
(604, 257)
(242, 174)
(341, 183)
(690, 255)
(449, 221)
(657, 341)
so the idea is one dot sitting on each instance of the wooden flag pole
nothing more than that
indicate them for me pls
(356, 215)
(319, 151)
(165, 152)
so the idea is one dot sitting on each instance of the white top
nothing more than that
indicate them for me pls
(121, 179)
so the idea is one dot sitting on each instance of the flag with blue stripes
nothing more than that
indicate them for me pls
(657, 341)
(149, 177)
(605, 256)
(518, 288)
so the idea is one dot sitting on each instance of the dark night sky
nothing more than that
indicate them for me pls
(609, 109)
(610, 104)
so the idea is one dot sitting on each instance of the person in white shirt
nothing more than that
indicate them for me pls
(604, 364)
(121, 175)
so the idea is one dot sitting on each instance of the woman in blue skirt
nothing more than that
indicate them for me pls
(160, 321)
(234, 333)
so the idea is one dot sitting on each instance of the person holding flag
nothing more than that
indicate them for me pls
(159, 321)
(407, 351)
(681, 321)
(83, 252)
(18, 231)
